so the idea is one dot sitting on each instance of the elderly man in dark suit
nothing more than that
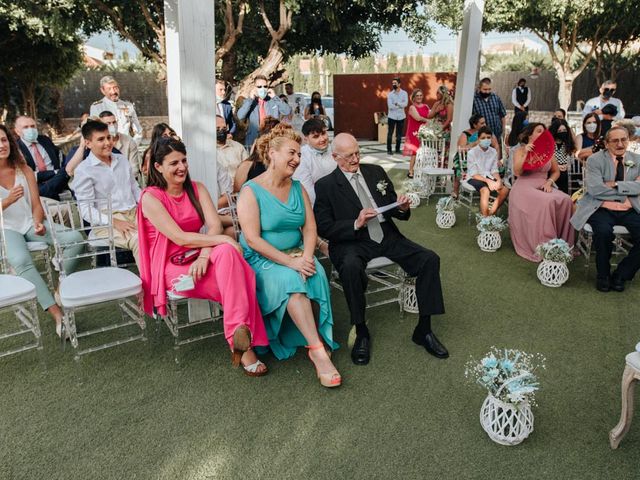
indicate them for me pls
(345, 210)
(43, 157)
(612, 197)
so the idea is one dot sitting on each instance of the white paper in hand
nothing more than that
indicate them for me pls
(386, 208)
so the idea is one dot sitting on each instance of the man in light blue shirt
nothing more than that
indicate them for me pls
(397, 101)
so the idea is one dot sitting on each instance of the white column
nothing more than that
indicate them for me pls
(469, 40)
(189, 28)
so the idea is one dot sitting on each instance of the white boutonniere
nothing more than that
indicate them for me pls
(629, 164)
(382, 187)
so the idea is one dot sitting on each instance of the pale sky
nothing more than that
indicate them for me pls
(397, 42)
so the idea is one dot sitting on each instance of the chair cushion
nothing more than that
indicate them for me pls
(14, 289)
(379, 262)
(633, 360)
(98, 285)
(617, 229)
(437, 171)
(37, 246)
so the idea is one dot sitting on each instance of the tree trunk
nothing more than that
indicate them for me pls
(565, 87)
(28, 91)
(229, 65)
(270, 68)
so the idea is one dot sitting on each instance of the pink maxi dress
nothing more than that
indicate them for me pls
(229, 279)
(536, 216)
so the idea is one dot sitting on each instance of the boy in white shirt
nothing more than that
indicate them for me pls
(316, 159)
(483, 173)
(100, 174)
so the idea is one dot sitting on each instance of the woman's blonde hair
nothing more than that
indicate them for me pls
(274, 139)
(446, 96)
(414, 93)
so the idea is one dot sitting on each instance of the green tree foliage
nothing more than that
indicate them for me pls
(314, 82)
(521, 59)
(368, 64)
(392, 63)
(40, 52)
(419, 63)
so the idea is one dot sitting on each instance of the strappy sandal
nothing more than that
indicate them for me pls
(252, 370)
(329, 380)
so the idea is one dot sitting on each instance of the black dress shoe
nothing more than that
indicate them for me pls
(603, 284)
(617, 283)
(361, 351)
(389, 152)
(431, 344)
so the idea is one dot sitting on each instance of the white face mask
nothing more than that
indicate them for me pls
(113, 130)
(591, 127)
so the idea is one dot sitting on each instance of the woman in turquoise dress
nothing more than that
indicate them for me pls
(279, 238)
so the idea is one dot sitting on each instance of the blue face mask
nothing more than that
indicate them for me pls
(637, 131)
(262, 92)
(30, 135)
(525, 123)
(485, 143)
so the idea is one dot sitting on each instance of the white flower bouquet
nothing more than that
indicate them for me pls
(431, 130)
(490, 224)
(556, 250)
(507, 374)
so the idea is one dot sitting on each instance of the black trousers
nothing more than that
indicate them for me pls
(399, 127)
(602, 222)
(350, 259)
(54, 186)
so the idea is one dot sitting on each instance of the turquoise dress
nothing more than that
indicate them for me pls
(280, 225)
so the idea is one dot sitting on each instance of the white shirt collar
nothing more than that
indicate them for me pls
(95, 161)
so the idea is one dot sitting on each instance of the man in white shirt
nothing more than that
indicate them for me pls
(123, 142)
(397, 101)
(595, 104)
(229, 153)
(124, 111)
(483, 173)
(316, 158)
(521, 96)
(105, 173)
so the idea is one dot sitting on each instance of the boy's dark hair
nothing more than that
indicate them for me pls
(106, 113)
(313, 125)
(93, 126)
(484, 129)
(610, 109)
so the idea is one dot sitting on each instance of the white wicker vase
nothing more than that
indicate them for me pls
(506, 423)
(553, 274)
(489, 241)
(414, 199)
(408, 297)
(446, 219)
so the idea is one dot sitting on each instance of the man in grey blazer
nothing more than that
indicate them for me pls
(612, 189)
(258, 106)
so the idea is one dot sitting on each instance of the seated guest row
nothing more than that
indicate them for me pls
(270, 304)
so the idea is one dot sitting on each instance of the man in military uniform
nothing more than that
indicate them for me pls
(124, 111)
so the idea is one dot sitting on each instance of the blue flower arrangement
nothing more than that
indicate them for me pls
(446, 204)
(556, 250)
(491, 223)
(507, 374)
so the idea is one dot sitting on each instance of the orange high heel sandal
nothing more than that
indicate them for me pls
(329, 380)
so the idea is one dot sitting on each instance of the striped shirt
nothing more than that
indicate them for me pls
(492, 110)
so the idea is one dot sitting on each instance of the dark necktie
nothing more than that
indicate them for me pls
(620, 169)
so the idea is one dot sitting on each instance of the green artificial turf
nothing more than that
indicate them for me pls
(130, 413)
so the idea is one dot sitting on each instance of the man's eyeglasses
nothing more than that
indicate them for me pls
(618, 140)
(350, 156)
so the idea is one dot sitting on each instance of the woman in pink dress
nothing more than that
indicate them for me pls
(174, 209)
(538, 212)
(418, 112)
